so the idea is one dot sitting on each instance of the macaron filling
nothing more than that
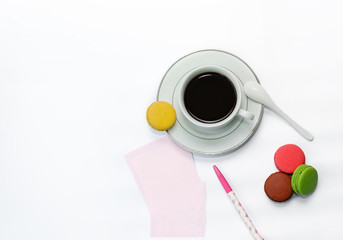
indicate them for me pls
(295, 177)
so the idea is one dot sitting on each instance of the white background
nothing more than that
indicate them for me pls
(77, 76)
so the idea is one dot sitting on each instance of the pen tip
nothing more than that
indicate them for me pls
(222, 179)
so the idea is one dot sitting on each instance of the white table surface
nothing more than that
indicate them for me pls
(76, 78)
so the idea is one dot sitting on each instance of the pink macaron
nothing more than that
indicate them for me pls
(288, 157)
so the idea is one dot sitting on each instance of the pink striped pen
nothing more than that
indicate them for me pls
(237, 204)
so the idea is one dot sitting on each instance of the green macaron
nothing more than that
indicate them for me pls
(304, 179)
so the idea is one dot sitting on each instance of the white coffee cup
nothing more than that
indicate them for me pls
(236, 112)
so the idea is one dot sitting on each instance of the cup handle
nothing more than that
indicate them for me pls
(245, 114)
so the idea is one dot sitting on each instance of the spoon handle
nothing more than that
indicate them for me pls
(303, 132)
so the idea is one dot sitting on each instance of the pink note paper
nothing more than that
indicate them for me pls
(171, 188)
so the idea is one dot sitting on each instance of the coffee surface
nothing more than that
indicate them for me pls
(210, 97)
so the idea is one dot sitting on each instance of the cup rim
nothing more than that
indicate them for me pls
(203, 69)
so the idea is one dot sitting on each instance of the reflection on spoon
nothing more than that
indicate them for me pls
(257, 93)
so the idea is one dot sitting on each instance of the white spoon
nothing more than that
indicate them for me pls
(257, 93)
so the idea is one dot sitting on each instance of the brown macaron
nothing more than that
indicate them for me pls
(278, 187)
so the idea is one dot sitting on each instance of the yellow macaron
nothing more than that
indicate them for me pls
(161, 115)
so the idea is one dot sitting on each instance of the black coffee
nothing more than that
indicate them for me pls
(210, 97)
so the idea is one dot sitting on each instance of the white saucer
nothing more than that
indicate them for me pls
(238, 132)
